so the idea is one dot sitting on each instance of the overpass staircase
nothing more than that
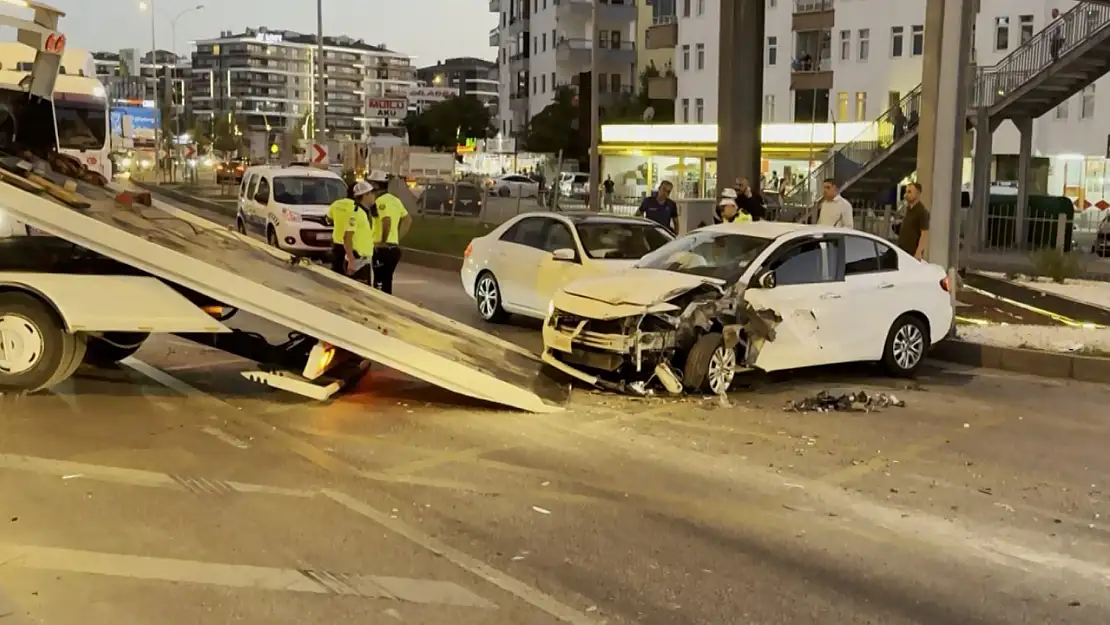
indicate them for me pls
(1031, 81)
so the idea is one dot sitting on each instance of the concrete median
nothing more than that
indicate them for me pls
(1081, 367)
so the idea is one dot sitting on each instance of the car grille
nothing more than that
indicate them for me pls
(567, 321)
(316, 219)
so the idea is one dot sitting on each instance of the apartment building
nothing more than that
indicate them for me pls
(265, 81)
(546, 44)
(849, 60)
(129, 76)
(464, 76)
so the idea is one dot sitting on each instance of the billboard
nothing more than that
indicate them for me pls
(387, 108)
(143, 122)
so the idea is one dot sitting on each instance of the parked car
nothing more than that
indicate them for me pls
(518, 266)
(574, 185)
(459, 199)
(230, 172)
(289, 206)
(514, 185)
(734, 297)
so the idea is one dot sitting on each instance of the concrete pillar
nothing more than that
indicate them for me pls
(1025, 167)
(740, 91)
(942, 144)
(981, 181)
(930, 91)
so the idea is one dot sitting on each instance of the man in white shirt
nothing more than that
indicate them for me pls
(835, 210)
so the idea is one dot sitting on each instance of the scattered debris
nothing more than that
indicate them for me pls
(541, 510)
(860, 401)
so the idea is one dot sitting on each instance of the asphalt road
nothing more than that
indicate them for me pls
(170, 491)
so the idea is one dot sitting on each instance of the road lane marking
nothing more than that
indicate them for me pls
(65, 469)
(533, 596)
(224, 437)
(427, 592)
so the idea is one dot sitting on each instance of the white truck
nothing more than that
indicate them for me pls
(115, 267)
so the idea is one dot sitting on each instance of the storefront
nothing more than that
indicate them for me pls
(639, 156)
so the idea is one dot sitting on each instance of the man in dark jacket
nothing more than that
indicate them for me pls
(750, 201)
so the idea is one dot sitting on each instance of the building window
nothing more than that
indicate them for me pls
(686, 110)
(1062, 110)
(772, 51)
(772, 4)
(701, 56)
(602, 83)
(536, 43)
(769, 109)
(842, 106)
(615, 81)
(553, 81)
(917, 40)
(845, 45)
(896, 33)
(864, 44)
(1001, 33)
(700, 110)
(534, 83)
(1025, 28)
(861, 106)
(701, 7)
(543, 83)
(1087, 103)
(544, 42)
(686, 58)
(685, 8)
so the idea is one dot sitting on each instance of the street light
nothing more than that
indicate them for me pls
(173, 70)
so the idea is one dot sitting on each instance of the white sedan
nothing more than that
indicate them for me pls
(514, 185)
(735, 297)
(517, 267)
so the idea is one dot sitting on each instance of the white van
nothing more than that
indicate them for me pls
(288, 206)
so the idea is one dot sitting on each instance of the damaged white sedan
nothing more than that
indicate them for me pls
(736, 297)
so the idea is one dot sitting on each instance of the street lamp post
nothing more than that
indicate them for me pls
(595, 113)
(173, 69)
(149, 5)
(321, 93)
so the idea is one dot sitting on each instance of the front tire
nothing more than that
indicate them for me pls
(487, 295)
(710, 365)
(271, 237)
(36, 351)
(240, 226)
(906, 346)
(112, 347)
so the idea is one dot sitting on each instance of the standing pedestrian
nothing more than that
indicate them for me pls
(339, 213)
(660, 208)
(358, 235)
(395, 224)
(835, 210)
(913, 233)
(750, 200)
(1058, 34)
(609, 186)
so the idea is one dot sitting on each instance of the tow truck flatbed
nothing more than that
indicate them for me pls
(187, 251)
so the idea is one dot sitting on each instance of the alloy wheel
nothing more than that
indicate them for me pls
(908, 346)
(722, 370)
(488, 297)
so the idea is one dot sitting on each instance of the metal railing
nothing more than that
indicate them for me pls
(802, 65)
(993, 84)
(474, 200)
(813, 6)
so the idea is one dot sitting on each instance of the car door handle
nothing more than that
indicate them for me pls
(886, 285)
(830, 296)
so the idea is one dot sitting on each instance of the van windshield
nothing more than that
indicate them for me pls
(308, 190)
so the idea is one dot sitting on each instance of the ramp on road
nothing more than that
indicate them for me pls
(246, 274)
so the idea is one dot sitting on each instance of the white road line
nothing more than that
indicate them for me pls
(129, 477)
(224, 437)
(535, 597)
(164, 378)
(428, 592)
(208, 364)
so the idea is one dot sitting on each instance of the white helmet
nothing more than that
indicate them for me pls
(362, 188)
(377, 175)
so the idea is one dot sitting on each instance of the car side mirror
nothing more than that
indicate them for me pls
(262, 197)
(766, 279)
(564, 254)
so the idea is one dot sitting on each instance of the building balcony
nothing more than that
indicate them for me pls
(577, 52)
(517, 25)
(813, 15)
(518, 62)
(663, 87)
(662, 34)
(495, 37)
(808, 73)
(607, 10)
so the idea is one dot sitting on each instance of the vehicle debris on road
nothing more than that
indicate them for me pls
(860, 401)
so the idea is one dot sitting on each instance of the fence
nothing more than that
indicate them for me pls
(470, 200)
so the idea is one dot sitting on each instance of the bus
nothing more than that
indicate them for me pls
(80, 103)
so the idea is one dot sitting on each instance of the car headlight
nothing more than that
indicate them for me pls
(290, 215)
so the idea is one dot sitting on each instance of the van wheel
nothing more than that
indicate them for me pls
(271, 236)
(112, 347)
(240, 226)
(710, 366)
(35, 349)
(906, 346)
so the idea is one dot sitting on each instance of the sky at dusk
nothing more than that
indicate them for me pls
(431, 30)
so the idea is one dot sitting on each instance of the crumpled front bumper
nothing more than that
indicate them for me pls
(575, 350)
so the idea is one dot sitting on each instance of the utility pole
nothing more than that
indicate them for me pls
(595, 112)
(157, 102)
(320, 113)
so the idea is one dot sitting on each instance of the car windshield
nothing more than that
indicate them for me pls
(621, 240)
(81, 125)
(714, 254)
(308, 190)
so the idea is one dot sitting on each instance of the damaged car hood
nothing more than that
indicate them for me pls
(636, 289)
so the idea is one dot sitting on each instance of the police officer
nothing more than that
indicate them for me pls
(339, 213)
(394, 224)
(358, 235)
(731, 213)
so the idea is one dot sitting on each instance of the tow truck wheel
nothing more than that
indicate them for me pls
(112, 347)
(487, 295)
(710, 366)
(35, 349)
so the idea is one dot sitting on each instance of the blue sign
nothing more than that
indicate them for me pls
(141, 119)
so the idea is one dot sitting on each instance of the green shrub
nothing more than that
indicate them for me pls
(1057, 265)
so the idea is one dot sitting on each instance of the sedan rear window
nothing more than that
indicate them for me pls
(708, 253)
(621, 241)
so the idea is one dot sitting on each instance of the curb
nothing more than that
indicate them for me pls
(432, 260)
(1031, 361)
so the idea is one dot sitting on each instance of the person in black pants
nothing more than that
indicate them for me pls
(386, 259)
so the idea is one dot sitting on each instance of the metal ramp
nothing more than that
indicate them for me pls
(1029, 82)
(245, 274)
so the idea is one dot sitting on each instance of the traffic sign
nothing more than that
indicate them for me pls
(319, 154)
(389, 108)
(190, 151)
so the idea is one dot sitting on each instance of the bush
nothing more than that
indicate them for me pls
(1057, 265)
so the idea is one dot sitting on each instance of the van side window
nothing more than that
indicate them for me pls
(263, 187)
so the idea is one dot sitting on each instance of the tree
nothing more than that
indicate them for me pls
(631, 108)
(224, 138)
(300, 130)
(554, 128)
(444, 125)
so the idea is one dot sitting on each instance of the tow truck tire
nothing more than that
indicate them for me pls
(710, 366)
(907, 344)
(112, 347)
(43, 352)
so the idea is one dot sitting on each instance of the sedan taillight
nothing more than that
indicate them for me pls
(944, 284)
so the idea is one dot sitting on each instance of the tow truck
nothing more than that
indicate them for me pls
(112, 265)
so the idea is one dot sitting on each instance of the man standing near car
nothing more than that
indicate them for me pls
(660, 208)
(834, 210)
(913, 233)
(339, 213)
(750, 200)
(395, 224)
(358, 235)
